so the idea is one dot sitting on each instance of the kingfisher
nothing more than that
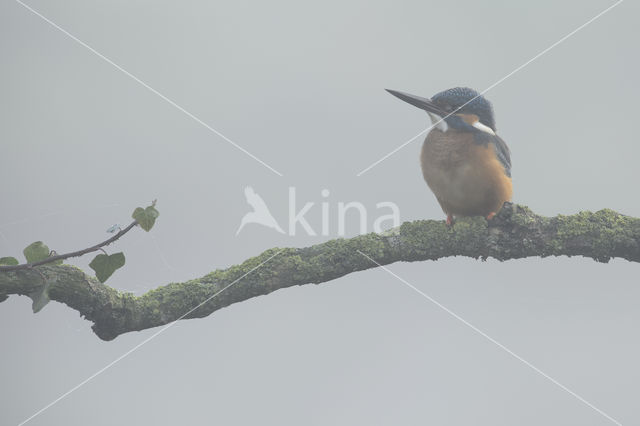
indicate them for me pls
(464, 162)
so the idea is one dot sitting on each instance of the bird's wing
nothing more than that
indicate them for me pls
(502, 152)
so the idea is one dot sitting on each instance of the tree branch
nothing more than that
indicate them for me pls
(516, 232)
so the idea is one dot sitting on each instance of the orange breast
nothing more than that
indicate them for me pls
(466, 178)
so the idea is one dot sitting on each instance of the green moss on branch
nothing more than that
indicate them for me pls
(516, 232)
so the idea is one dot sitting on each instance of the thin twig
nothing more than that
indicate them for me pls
(71, 254)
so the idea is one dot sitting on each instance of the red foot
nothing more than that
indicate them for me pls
(491, 215)
(449, 220)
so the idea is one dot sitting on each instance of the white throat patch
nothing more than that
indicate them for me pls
(442, 124)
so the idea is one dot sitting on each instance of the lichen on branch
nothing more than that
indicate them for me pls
(516, 232)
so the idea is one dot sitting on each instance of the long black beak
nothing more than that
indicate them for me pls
(418, 101)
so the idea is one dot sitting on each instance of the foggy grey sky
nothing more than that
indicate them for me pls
(300, 85)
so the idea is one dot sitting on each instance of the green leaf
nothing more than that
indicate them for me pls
(36, 252)
(40, 297)
(146, 217)
(8, 261)
(106, 265)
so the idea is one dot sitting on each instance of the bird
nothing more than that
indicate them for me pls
(260, 213)
(464, 162)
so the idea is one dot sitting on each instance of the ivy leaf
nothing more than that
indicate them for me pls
(106, 265)
(36, 252)
(146, 217)
(40, 297)
(8, 261)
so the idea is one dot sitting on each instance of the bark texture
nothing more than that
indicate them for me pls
(516, 232)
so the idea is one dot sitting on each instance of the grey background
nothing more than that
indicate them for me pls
(299, 84)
